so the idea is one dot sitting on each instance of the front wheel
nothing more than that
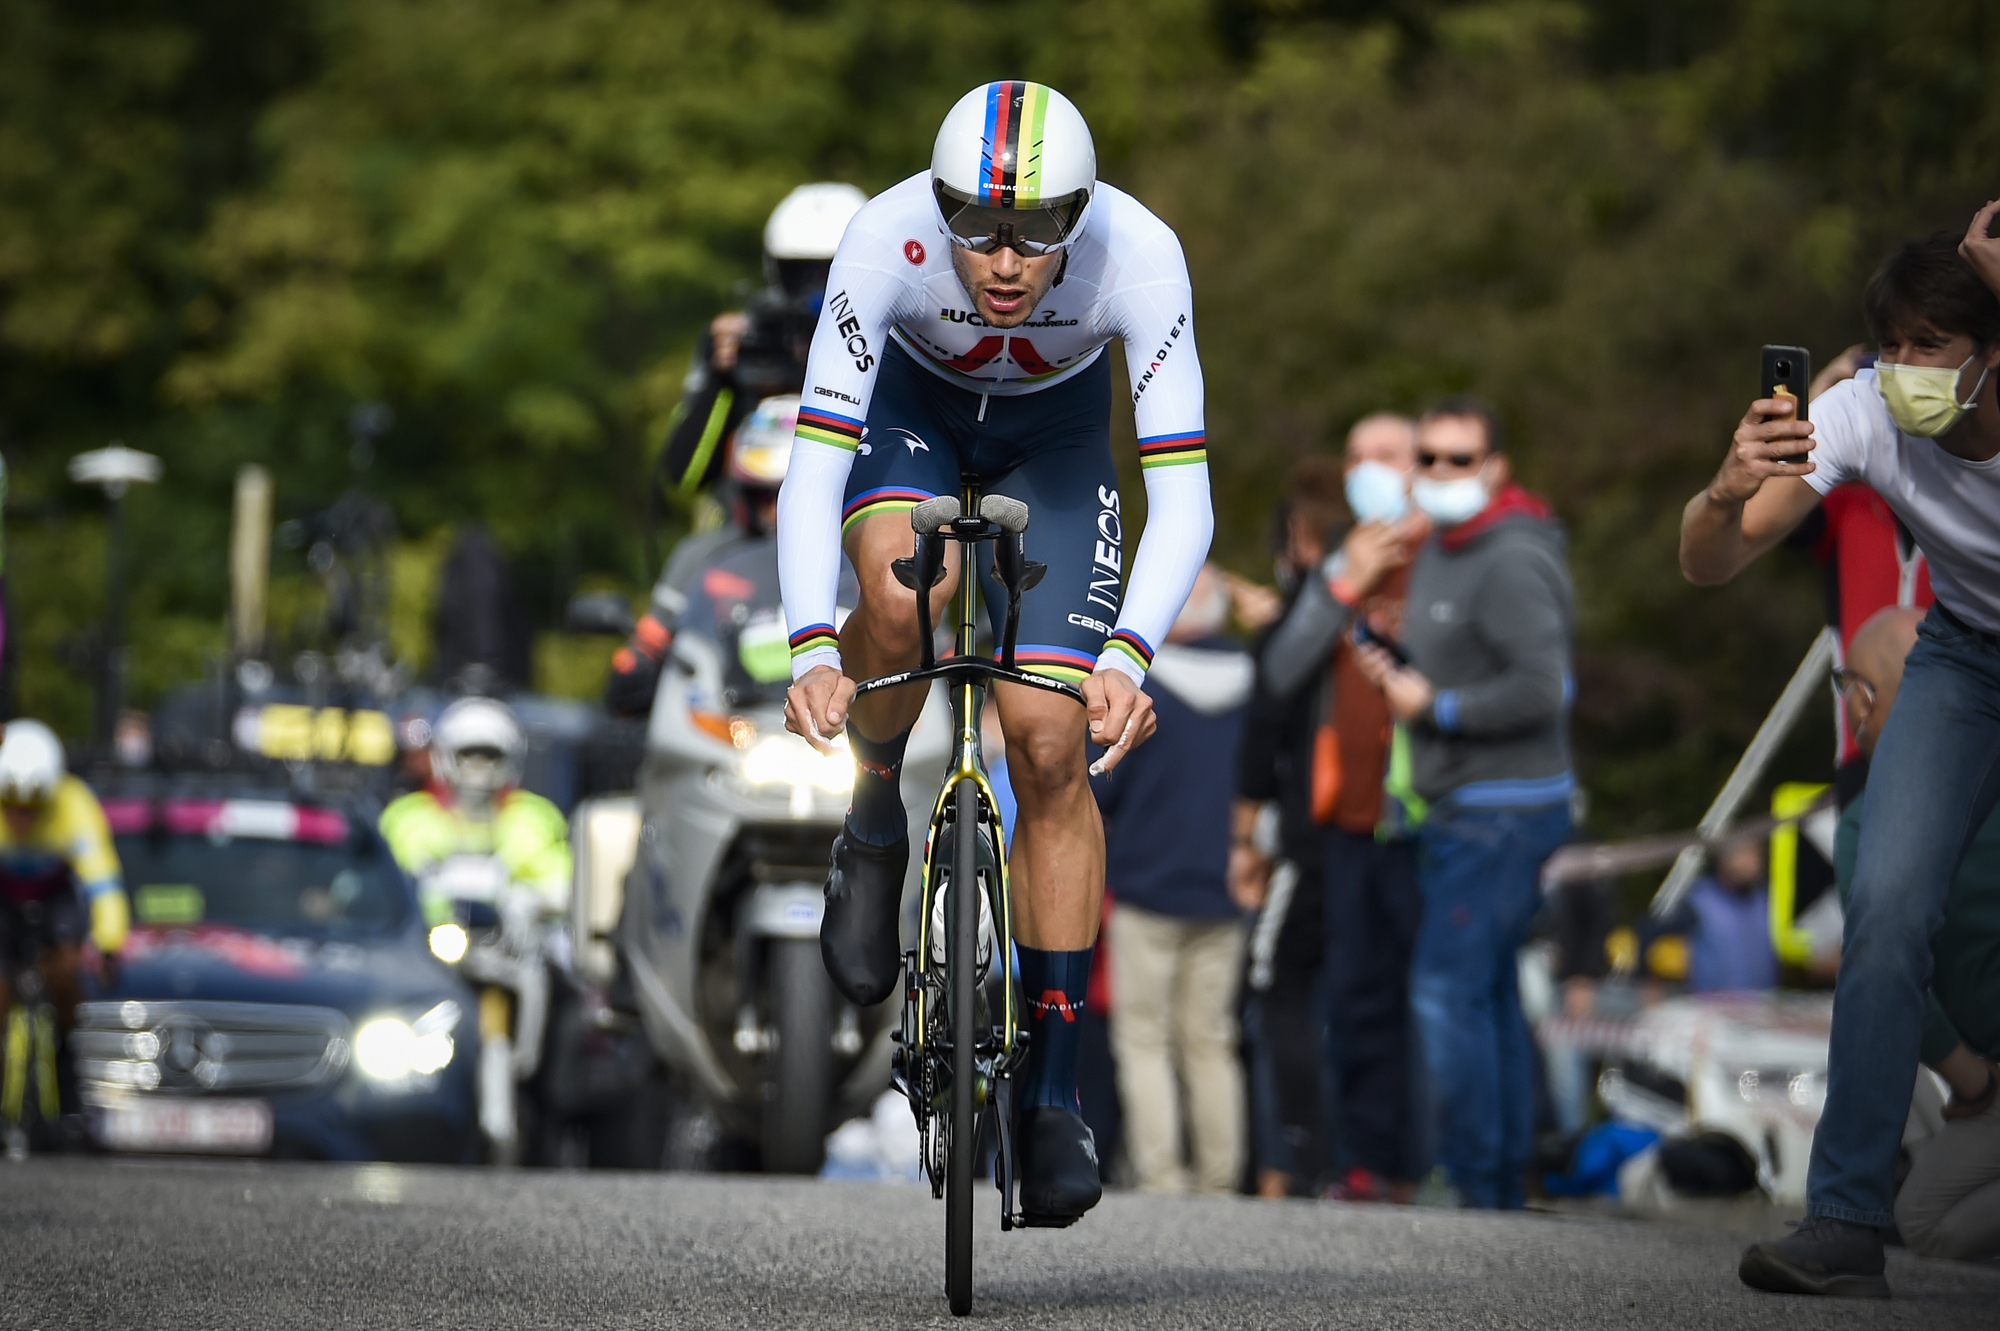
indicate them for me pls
(799, 1083)
(961, 979)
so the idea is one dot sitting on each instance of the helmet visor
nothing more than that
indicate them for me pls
(1028, 231)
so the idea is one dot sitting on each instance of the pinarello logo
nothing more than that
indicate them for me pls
(914, 252)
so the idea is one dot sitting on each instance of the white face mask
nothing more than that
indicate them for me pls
(1377, 492)
(1923, 399)
(1448, 503)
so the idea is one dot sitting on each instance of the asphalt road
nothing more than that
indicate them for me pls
(111, 1244)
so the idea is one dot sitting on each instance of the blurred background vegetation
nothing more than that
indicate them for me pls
(223, 223)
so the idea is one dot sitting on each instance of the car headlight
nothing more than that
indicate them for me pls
(787, 760)
(394, 1051)
(448, 943)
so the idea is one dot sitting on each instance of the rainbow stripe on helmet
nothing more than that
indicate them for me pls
(1010, 155)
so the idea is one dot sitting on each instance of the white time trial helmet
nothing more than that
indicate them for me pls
(1014, 165)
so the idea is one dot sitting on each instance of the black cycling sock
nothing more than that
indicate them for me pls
(1053, 985)
(877, 815)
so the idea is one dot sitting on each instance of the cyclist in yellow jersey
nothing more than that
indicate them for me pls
(60, 881)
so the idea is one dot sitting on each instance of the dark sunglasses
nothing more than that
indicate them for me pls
(1427, 459)
(1029, 232)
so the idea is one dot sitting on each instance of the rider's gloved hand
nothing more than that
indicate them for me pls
(816, 706)
(1121, 717)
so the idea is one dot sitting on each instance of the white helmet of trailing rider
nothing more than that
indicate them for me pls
(761, 448)
(1014, 165)
(809, 222)
(472, 728)
(31, 763)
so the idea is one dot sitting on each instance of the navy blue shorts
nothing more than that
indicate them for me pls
(1051, 450)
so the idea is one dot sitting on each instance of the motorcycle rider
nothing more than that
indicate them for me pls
(926, 368)
(760, 351)
(473, 805)
(757, 455)
(60, 880)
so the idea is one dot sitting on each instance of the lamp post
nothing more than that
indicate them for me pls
(113, 470)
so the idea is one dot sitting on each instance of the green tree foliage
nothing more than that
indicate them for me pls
(222, 225)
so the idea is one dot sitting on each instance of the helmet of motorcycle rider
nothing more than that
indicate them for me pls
(477, 746)
(802, 234)
(31, 763)
(1014, 165)
(761, 448)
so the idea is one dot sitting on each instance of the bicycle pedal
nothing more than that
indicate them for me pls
(1023, 1220)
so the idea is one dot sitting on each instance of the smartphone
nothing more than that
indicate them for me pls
(1787, 372)
(1363, 636)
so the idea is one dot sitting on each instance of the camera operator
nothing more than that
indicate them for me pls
(751, 364)
(1922, 429)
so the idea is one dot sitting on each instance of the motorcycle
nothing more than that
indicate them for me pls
(719, 930)
(498, 940)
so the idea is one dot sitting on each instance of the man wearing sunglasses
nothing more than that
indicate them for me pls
(1484, 700)
(964, 335)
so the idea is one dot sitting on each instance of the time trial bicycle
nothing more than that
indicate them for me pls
(960, 1041)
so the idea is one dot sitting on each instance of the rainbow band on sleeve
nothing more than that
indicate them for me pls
(1167, 450)
(1134, 646)
(882, 499)
(813, 637)
(826, 427)
(1063, 663)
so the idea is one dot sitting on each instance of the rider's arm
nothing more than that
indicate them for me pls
(865, 294)
(533, 842)
(1152, 309)
(94, 860)
(708, 408)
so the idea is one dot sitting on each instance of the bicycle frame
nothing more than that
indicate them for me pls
(926, 1053)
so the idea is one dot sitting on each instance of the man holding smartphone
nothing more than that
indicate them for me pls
(1482, 768)
(1922, 428)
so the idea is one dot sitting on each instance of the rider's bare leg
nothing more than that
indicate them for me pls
(62, 970)
(881, 635)
(1056, 864)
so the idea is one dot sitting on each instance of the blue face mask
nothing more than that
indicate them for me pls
(1377, 492)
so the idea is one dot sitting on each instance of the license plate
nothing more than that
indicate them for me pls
(235, 1127)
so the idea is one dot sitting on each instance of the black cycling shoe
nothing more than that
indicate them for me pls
(858, 939)
(1058, 1158)
(1821, 1256)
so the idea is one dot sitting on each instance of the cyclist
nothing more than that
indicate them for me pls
(60, 881)
(757, 455)
(474, 806)
(963, 336)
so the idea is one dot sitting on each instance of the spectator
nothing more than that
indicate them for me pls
(1274, 773)
(1949, 1206)
(1726, 919)
(1176, 937)
(1370, 904)
(1871, 561)
(1922, 429)
(1485, 700)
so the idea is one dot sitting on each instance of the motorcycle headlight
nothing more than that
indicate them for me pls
(787, 760)
(448, 943)
(395, 1052)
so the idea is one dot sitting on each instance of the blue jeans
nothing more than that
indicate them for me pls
(1479, 870)
(1933, 780)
